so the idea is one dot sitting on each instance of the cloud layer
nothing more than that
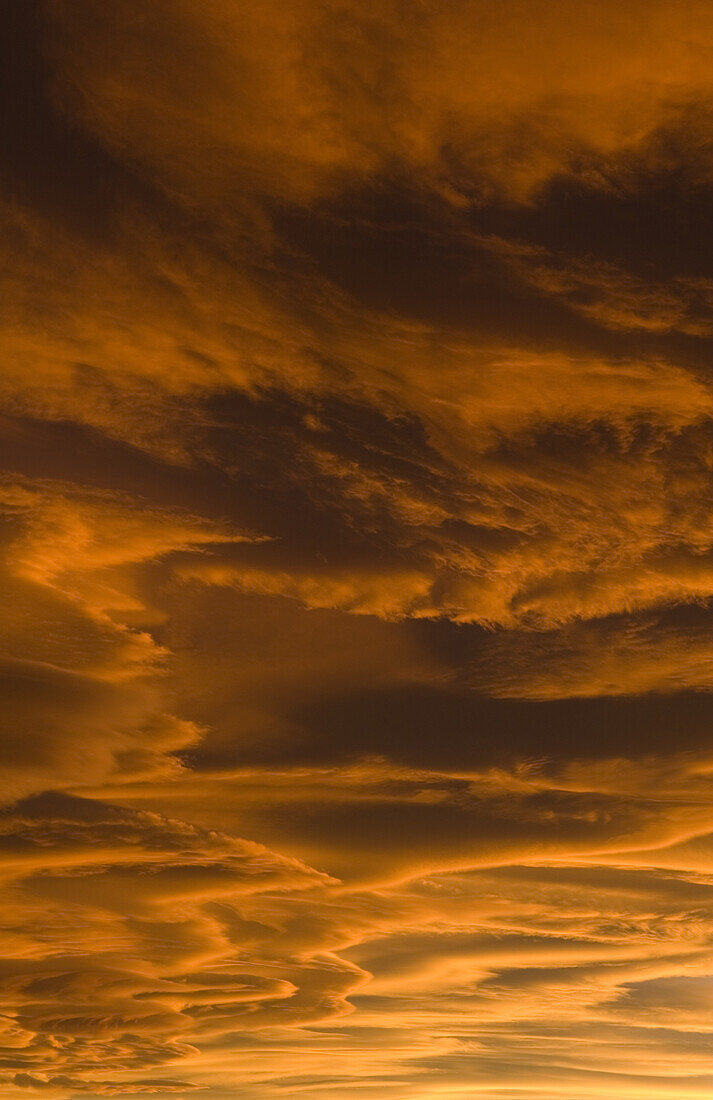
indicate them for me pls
(356, 549)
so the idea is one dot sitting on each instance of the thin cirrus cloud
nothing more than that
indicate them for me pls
(356, 549)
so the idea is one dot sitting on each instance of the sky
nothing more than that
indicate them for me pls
(356, 549)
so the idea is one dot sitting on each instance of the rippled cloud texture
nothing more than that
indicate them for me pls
(356, 502)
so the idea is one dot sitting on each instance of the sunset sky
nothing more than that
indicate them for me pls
(356, 437)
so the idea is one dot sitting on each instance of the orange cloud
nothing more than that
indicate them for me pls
(355, 549)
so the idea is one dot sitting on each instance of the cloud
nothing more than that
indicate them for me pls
(124, 959)
(541, 101)
(99, 1088)
(81, 686)
(355, 640)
